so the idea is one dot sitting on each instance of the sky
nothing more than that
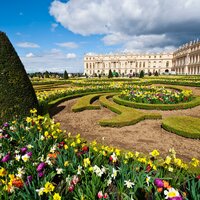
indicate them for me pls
(54, 35)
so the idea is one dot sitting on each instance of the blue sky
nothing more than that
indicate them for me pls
(54, 35)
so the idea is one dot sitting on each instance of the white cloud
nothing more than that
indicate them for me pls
(54, 60)
(72, 45)
(30, 55)
(127, 16)
(27, 45)
(122, 21)
(71, 55)
(53, 27)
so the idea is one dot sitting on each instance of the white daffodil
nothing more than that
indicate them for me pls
(171, 192)
(129, 184)
(25, 158)
(17, 157)
(79, 170)
(40, 191)
(59, 170)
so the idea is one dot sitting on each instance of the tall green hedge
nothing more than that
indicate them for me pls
(17, 95)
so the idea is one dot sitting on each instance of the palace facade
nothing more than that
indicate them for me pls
(185, 60)
(126, 64)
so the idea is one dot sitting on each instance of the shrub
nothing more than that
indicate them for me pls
(110, 74)
(17, 95)
(65, 76)
(183, 125)
(141, 74)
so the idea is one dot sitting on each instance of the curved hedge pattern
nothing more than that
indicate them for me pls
(85, 103)
(127, 116)
(186, 105)
(183, 125)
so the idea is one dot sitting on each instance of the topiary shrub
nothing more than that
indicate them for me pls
(110, 74)
(141, 74)
(17, 95)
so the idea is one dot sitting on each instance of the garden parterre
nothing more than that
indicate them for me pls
(156, 95)
(39, 161)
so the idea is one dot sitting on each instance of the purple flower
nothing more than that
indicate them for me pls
(40, 174)
(6, 158)
(41, 166)
(23, 150)
(29, 153)
(158, 183)
(176, 198)
(6, 124)
(29, 179)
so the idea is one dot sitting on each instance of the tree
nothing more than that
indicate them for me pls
(46, 74)
(149, 73)
(65, 75)
(156, 73)
(17, 95)
(110, 74)
(141, 74)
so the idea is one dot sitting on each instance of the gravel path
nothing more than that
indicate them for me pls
(144, 136)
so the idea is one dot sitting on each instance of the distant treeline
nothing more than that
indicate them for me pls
(47, 74)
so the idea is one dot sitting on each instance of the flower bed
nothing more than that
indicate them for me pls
(156, 95)
(39, 161)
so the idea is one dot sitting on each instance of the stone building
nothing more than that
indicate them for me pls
(186, 60)
(128, 63)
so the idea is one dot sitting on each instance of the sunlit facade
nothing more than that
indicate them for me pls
(128, 63)
(186, 60)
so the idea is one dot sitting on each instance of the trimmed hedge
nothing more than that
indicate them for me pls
(66, 98)
(17, 95)
(127, 116)
(85, 103)
(186, 105)
(185, 126)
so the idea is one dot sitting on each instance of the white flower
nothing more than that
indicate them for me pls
(59, 170)
(20, 172)
(103, 169)
(48, 161)
(12, 128)
(99, 172)
(79, 169)
(42, 137)
(17, 157)
(114, 157)
(114, 173)
(53, 149)
(40, 191)
(17, 151)
(129, 184)
(171, 192)
(29, 146)
(12, 189)
(25, 158)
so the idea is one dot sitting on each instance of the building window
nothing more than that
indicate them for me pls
(167, 64)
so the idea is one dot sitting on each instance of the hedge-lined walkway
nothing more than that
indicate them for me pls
(144, 136)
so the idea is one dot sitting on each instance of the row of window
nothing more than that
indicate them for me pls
(140, 64)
